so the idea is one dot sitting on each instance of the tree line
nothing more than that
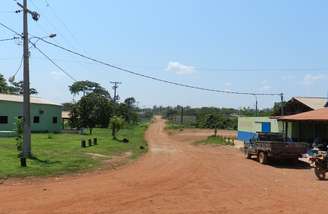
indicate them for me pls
(209, 117)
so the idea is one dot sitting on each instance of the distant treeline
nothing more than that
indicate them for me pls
(207, 117)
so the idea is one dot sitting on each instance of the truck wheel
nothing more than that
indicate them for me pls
(262, 157)
(246, 154)
(321, 175)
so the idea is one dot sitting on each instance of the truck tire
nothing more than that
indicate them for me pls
(262, 158)
(246, 154)
(321, 174)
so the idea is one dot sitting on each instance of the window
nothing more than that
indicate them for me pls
(54, 120)
(36, 119)
(3, 119)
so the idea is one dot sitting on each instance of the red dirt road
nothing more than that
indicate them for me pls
(174, 177)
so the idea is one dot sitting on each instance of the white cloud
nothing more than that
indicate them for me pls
(180, 69)
(309, 79)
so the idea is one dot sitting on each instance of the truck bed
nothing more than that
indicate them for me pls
(281, 149)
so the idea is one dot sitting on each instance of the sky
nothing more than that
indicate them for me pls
(270, 46)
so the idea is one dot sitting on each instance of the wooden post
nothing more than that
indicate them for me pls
(89, 142)
(95, 141)
(83, 144)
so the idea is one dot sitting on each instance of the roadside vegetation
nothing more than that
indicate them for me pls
(216, 140)
(119, 127)
(56, 154)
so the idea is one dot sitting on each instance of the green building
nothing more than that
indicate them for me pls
(45, 115)
(249, 126)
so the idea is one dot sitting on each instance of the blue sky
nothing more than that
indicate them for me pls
(242, 45)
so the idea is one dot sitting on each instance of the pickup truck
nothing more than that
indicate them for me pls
(267, 146)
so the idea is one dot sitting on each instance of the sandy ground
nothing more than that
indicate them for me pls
(174, 177)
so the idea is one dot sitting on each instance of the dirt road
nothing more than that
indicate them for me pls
(174, 177)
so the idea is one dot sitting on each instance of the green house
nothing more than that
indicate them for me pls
(45, 115)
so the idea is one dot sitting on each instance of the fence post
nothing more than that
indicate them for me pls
(83, 144)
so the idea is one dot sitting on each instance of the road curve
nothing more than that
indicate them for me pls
(174, 177)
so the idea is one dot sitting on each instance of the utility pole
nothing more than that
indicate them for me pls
(115, 98)
(26, 85)
(182, 113)
(115, 86)
(282, 104)
(256, 106)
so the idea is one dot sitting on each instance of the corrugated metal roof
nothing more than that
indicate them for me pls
(19, 99)
(315, 115)
(313, 102)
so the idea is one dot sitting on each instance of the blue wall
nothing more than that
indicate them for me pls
(245, 136)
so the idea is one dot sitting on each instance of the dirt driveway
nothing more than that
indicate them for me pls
(174, 177)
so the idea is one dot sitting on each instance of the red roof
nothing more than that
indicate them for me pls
(315, 115)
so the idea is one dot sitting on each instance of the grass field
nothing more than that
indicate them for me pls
(61, 153)
(216, 140)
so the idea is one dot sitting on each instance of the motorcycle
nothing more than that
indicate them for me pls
(320, 161)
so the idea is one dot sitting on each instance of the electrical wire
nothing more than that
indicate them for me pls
(9, 39)
(44, 54)
(133, 72)
(155, 78)
(54, 63)
(19, 67)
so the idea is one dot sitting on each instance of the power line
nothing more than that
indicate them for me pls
(155, 78)
(9, 39)
(44, 54)
(136, 73)
(54, 63)
(10, 29)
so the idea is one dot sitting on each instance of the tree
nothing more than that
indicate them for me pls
(214, 121)
(130, 102)
(3, 85)
(18, 88)
(67, 106)
(87, 87)
(91, 111)
(74, 121)
(128, 111)
(116, 123)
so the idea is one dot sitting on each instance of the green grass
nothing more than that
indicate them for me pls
(215, 140)
(61, 153)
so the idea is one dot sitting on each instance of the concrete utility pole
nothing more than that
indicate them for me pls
(182, 114)
(26, 85)
(256, 107)
(115, 86)
(282, 104)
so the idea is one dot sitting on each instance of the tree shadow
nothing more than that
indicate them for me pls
(49, 162)
(124, 140)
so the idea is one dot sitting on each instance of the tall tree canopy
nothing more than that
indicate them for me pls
(3, 85)
(86, 87)
(13, 87)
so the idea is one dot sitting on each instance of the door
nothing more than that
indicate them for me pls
(266, 127)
